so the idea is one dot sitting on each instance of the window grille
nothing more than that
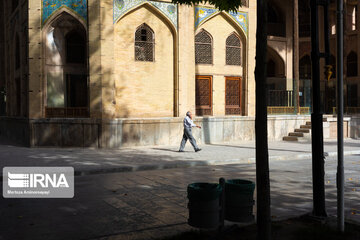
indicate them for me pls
(232, 96)
(233, 50)
(203, 48)
(144, 44)
(203, 93)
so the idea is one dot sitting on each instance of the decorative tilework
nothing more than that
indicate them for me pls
(121, 7)
(49, 7)
(241, 18)
(204, 13)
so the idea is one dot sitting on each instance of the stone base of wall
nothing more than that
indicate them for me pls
(16, 130)
(139, 131)
(69, 132)
(355, 127)
(330, 127)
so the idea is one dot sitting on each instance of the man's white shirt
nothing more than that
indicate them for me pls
(188, 123)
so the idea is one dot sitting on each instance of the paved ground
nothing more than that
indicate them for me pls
(130, 204)
(89, 161)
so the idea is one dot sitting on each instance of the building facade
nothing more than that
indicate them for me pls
(116, 73)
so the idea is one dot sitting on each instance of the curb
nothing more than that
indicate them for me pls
(187, 164)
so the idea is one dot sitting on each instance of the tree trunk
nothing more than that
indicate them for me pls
(262, 155)
(296, 56)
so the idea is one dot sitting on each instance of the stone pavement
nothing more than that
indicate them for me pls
(152, 204)
(93, 161)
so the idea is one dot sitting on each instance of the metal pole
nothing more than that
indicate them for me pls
(317, 143)
(340, 115)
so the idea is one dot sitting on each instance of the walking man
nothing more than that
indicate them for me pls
(188, 124)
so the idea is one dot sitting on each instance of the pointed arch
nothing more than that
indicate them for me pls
(203, 47)
(164, 31)
(156, 11)
(233, 49)
(144, 43)
(58, 13)
(276, 61)
(65, 61)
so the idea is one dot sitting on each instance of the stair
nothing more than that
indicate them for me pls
(302, 134)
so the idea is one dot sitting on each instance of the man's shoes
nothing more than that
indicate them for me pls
(197, 150)
(181, 150)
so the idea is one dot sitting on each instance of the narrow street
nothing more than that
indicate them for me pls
(152, 204)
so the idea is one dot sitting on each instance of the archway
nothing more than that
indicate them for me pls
(66, 67)
(276, 80)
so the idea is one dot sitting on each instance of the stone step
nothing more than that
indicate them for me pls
(302, 130)
(290, 138)
(305, 126)
(296, 134)
(295, 139)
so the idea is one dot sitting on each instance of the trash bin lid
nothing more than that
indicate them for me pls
(204, 191)
(240, 185)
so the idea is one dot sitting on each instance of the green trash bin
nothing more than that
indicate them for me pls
(204, 204)
(239, 200)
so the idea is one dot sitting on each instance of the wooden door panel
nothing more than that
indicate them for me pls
(203, 95)
(233, 96)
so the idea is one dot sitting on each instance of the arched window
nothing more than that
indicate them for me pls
(17, 52)
(203, 48)
(66, 68)
(351, 65)
(144, 44)
(75, 47)
(305, 67)
(333, 64)
(233, 50)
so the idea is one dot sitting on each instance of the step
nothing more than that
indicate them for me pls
(295, 139)
(296, 134)
(305, 126)
(290, 138)
(302, 130)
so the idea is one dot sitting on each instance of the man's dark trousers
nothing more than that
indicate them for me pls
(188, 135)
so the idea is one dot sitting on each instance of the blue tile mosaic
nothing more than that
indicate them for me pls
(204, 13)
(49, 7)
(121, 7)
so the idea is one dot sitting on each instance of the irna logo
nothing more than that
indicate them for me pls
(44, 180)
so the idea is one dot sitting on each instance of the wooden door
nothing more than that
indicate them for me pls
(203, 95)
(232, 95)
